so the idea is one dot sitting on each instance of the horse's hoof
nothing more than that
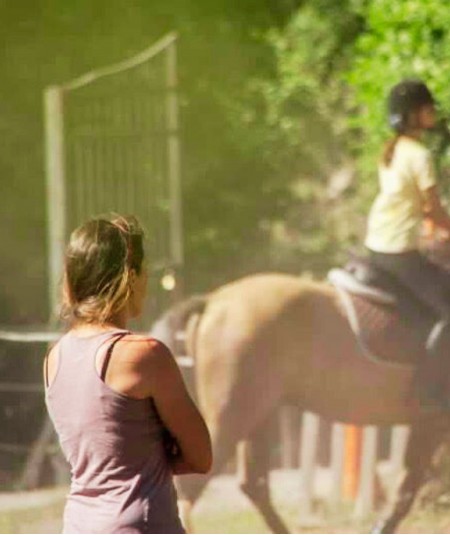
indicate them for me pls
(380, 527)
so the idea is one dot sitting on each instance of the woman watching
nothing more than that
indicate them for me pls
(114, 397)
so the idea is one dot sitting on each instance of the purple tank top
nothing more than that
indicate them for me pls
(121, 480)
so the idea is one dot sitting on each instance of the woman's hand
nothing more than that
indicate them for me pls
(171, 446)
(178, 465)
(434, 210)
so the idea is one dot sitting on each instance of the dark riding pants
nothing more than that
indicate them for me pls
(429, 283)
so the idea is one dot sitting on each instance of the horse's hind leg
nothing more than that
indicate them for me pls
(225, 437)
(253, 472)
(424, 440)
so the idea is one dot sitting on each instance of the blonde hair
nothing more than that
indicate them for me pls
(99, 260)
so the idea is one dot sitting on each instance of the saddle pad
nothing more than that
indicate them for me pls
(347, 281)
(381, 332)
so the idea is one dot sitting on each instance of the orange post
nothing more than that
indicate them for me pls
(352, 461)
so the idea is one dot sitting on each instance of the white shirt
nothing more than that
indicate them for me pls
(397, 213)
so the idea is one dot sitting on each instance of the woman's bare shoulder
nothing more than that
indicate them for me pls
(52, 353)
(142, 348)
(142, 364)
(51, 361)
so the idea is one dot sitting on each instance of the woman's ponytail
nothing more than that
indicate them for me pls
(389, 149)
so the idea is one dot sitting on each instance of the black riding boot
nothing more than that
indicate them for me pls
(433, 373)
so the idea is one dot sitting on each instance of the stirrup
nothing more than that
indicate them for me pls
(435, 335)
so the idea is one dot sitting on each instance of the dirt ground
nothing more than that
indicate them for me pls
(221, 509)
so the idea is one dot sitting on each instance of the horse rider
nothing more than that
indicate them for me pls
(408, 194)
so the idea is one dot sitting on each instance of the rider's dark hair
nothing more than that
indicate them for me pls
(404, 99)
(388, 150)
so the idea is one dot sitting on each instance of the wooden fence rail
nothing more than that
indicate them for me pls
(352, 466)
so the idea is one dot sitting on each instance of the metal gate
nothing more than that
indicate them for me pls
(112, 146)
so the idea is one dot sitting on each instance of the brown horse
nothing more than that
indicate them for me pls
(270, 339)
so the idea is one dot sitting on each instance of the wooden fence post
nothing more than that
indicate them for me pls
(366, 492)
(399, 441)
(308, 454)
(33, 466)
(289, 436)
(337, 463)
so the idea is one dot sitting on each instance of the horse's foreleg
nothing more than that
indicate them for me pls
(189, 488)
(424, 440)
(224, 438)
(253, 473)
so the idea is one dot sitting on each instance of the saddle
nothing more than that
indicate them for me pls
(389, 322)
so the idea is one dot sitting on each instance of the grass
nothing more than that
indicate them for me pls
(222, 509)
(38, 519)
(249, 521)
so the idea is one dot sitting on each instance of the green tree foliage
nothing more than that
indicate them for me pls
(273, 96)
(52, 41)
(406, 38)
(303, 127)
(255, 126)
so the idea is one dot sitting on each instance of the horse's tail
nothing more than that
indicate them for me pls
(172, 324)
(190, 331)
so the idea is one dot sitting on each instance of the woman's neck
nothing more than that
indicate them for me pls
(117, 322)
(414, 133)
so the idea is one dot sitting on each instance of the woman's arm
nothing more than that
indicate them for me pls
(155, 374)
(179, 414)
(144, 368)
(434, 210)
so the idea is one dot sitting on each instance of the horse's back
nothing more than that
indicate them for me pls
(264, 295)
(291, 335)
(244, 348)
(258, 309)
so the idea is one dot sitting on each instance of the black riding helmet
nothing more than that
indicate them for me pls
(404, 98)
